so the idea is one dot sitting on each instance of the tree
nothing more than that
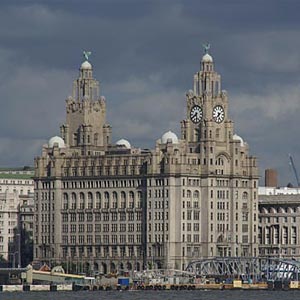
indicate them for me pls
(26, 247)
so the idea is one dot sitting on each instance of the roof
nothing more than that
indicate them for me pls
(15, 176)
(25, 169)
(278, 199)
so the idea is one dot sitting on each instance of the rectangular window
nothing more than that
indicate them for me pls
(196, 215)
(245, 228)
(245, 239)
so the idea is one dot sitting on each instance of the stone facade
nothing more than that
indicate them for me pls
(115, 207)
(16, 193)
(279, 226)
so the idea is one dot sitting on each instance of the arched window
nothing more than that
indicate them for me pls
(131, 199)
(123, 199)
(139, 199)
(81, 201)
(115, 200)
(220, 162)
(106, 200)
(98, 200)
(245, 196)
(65, 201)
(73, 201)
(188, 194)
(90, 200)
(96, 139)
(196, 195)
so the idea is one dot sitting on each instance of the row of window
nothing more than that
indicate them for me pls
(158, 227)
(103, 171)
(105, 216)
(188, 194)
(223, 227)
(90, 184)
(275, 220)
(191, 215)
(189, 238)
(101, 251)
(102, 200)
(221, 216)
(189, 204)
(188, 226)
(158, 215)
(159, 204)
(101, 239)
(275, 210)
(224, 194)
(104, 161)
(73, 228)
(158, 238)
(191, 182)
(158, 193)
(277, 235)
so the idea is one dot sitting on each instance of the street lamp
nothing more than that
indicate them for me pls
(19, 249)
(14, 258)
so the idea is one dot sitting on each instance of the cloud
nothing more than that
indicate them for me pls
(145, 111)
(17, 152)
(273, 102)
(145, 54)
(269, 122)
(32, 105)
(268, 51)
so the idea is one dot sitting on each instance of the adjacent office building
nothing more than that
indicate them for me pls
(16, 193)
(279, 219)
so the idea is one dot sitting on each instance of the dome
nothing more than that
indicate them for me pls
(86, 65)
(207, 58)
(123, 142)
(56, 140)
(169, 136)
(238, 138)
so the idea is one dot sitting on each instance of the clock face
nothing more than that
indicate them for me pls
(218, 114)
(196, 114)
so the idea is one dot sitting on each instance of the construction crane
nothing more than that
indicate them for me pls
(294, 169)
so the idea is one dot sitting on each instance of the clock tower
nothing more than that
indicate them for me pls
(207, 108)
(228, 174)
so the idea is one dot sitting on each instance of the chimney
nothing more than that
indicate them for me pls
(270, 178)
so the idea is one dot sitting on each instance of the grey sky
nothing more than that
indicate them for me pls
(145, 54)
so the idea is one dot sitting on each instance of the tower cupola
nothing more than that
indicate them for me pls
(207, 81)
(207, 62)
(86, 87)
(86, 66)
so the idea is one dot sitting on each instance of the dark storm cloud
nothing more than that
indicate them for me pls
(145, 54)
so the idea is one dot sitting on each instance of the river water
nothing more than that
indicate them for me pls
(153, 295)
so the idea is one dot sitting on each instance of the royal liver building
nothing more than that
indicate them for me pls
(111, 206)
